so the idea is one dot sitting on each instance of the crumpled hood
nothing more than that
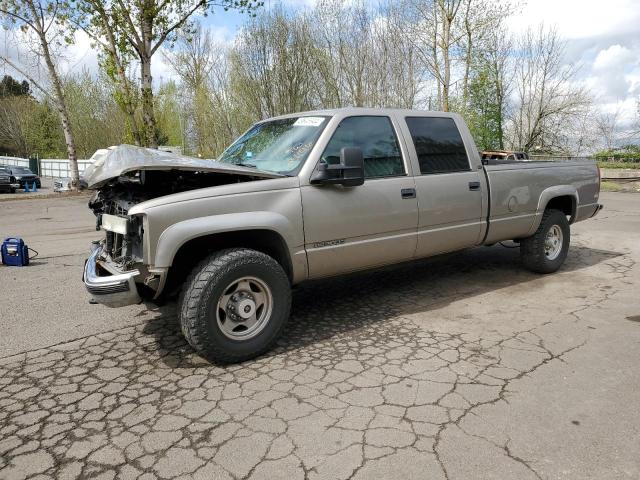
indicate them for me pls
(113, 162)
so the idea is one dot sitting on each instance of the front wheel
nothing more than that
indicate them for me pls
(235, 305)
(546, 250)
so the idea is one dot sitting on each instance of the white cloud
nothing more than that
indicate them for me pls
(603, 39)
(580, 18)
(616, 57)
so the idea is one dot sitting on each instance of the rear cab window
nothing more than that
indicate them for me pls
(376, 137)
(438, 145)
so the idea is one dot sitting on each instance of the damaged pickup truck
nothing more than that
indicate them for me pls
(307, 196)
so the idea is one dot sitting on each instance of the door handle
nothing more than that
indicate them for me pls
(474, 185)
(408, 193)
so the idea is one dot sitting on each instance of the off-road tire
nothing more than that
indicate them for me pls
(202, 290)
(532, 249)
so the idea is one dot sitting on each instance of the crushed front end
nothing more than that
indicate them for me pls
(118, 272)
(115, 274)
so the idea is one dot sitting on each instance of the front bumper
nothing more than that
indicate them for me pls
(117, 290)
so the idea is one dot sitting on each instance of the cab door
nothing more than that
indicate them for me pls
(450, 192)
(354, 228)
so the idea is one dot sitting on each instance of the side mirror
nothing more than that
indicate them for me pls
(349, 172)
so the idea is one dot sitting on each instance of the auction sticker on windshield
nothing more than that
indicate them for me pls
(308, 122)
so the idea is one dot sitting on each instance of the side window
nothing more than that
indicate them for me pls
(438, 144)
(376, 138)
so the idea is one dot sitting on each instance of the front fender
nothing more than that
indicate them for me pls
(180, 233)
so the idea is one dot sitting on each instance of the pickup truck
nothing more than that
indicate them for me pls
(8, 182)
(313, 195)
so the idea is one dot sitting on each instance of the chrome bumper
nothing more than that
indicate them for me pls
(110, 290)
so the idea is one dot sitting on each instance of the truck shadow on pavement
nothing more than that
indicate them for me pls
(325, 309)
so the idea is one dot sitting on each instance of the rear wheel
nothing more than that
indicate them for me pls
(546, 250)
(235, 305)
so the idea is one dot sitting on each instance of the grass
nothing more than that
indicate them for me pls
(633, 165)
(610, 187)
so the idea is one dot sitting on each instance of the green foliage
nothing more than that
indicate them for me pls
(44, 133)
(98, 121)
(610, 186)
(11, 87)
(168, 115)
(625, 154)
(621, 164)
(127, 28)
(483, 114)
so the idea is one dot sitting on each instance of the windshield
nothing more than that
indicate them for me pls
(279, 146)
(21, 170)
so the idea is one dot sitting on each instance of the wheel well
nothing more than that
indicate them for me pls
(565, 204)
(193, 251)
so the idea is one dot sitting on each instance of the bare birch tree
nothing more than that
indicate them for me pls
(273, 64)
(606, 124)
(43, 19)
(547, 100)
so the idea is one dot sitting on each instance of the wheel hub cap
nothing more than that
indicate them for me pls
(244, 308)
(553, 242)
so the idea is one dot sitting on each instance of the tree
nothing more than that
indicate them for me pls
(143, 26)
(547, 103)
(606, 124)
(14, 113)
(483, 112)
(193, 59)
(493, 61)
(10, 87)
(431, 26)
(170, 115)
(98, 120)
(43, 18)
(100, 23)
(272, 65)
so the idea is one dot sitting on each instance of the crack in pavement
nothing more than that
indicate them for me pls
(361, 385)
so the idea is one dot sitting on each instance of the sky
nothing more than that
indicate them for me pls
(602, 39)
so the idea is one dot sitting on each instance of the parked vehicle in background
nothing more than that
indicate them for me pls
(503, 155)
(23, 175)
(313, 195)
(8, 183)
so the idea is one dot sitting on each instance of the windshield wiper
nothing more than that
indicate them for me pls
(250, 165)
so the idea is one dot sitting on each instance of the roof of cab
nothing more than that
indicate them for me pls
(366, 111)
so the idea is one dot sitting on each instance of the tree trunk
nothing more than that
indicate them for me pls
(64, 114)
(446, 37)
(129, 107)
(148, 115)
(145, 51)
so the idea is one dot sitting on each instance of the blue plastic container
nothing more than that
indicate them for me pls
(14, 252)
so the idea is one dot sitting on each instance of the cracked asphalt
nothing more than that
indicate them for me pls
(464, 366)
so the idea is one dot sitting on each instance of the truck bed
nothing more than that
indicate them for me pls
(518, 190)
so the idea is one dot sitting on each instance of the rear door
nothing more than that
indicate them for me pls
(353, 228)
(450, 191)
